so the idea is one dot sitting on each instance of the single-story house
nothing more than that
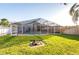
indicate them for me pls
(4, 30)
(34, 26)
(72, 30)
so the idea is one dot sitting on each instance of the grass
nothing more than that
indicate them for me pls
(54, 45)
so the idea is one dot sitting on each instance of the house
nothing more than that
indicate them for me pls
(72, 30)
(34, 26)
(4, 30)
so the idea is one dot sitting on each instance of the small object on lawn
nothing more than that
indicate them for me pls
(36, 43)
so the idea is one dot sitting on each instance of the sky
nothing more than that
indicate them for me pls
(55, 12)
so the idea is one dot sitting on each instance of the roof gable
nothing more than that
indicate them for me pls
(38, 20)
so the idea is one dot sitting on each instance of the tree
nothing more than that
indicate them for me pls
(74, 12)
(4, 22)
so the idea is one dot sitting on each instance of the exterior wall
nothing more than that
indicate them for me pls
(72, 31)
(14, 29)
(5, 30)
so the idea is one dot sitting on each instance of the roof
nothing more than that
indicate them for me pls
(38, 20)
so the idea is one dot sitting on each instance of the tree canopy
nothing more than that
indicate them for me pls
(4, 22)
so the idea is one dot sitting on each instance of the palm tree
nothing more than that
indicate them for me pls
(74, 12)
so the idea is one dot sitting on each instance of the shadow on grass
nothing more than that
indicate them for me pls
(68, 36)
(5, 42)
(9, 41)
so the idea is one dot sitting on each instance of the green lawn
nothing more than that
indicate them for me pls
(54, 44)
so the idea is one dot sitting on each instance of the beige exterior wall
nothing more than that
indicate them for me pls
(74, 30)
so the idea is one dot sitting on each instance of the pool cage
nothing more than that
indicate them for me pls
(35, 26)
